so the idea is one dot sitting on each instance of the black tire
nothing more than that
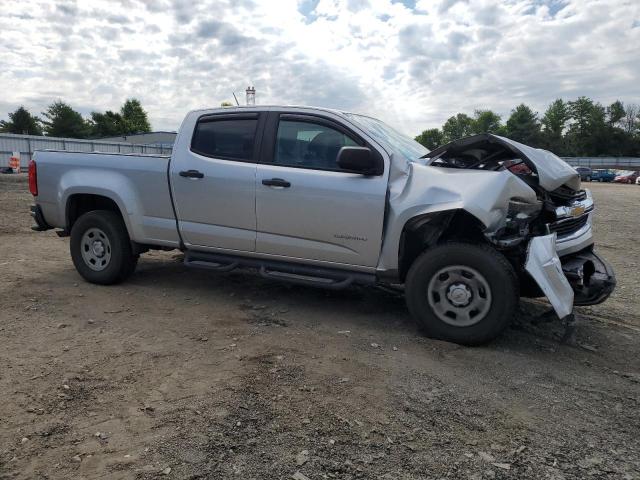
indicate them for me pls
(498, 275)
(121, 262)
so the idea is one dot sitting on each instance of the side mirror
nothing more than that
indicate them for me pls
(358, 160)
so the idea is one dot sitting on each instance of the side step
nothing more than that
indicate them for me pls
(299, 274)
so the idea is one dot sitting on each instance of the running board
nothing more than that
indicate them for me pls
(301, 279)
(210, 265)
(299, 274)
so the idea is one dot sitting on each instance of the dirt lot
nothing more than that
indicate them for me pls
(191, 374)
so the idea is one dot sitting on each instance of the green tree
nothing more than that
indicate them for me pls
(458, 126)
(64, 121)
(226, 103)
(134, 117)
(21, 121)
(486, 121)
(568, 128)
(523, 126)
(615, 113)
(620, 142)
(631, 120)
(107, 124)
(588, 134)
(554, 123)
(431, 138)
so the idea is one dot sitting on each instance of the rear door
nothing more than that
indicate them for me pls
(213, 182)
(306, 207)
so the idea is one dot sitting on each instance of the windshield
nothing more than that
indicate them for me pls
(392, 140)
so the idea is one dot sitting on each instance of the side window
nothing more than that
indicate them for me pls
(310, 145)
(225, 138)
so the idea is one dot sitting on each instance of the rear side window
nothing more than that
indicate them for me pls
(225, 138)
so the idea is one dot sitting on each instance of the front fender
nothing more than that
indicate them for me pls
(482, 194)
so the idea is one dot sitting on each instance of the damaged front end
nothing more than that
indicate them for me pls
(590, 276)
(548, 240)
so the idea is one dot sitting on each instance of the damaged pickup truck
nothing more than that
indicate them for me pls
(327, 198)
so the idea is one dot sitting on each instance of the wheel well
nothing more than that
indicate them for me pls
(432, 229)
(81, 203)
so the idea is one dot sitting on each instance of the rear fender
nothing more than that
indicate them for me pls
(106, 183)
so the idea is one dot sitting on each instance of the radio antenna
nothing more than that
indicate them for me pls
(234, 96)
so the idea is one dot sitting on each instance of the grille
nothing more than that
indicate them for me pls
(568, 226)
(565, 195)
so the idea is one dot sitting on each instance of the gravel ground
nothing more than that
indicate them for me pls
(190, 374)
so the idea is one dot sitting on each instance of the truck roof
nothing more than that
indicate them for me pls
(269, 107)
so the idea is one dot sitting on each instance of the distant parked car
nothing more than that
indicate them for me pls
(638, 181)
(585, 173)
(602, 175)
(626, 177)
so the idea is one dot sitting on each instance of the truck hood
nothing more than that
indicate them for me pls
(486, 150)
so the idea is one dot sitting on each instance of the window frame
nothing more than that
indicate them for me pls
(271, 137)
(224, 116)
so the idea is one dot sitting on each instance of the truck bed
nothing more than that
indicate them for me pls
(137, 183)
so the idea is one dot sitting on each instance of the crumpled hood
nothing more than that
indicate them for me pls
(553, 172)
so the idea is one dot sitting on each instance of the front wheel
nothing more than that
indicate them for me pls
(101, 249)
(462, 293)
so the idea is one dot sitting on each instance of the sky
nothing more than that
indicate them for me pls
(412, 64)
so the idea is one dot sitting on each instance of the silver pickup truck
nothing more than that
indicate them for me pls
(327, 198)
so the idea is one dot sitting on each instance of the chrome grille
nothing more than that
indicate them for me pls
(569, 225)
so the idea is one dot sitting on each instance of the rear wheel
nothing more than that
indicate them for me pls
(462, 293)
(101, 249)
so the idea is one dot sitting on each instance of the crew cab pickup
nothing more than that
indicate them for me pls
(327, 198)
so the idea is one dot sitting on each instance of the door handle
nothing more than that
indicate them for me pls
(191, 174)
(276, 182)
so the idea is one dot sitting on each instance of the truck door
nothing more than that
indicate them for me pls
(213, 181)
(306, 207)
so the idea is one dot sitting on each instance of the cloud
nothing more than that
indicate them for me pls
(226, 34)
(412, 63)
(445, 5)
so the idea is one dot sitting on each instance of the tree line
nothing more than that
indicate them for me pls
(61, 120)
(578, 128)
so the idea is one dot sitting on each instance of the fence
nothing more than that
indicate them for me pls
(27, 144)
(621, 163)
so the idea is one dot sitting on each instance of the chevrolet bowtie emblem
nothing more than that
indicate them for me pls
(577, 211)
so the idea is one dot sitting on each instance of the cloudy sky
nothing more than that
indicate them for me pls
(411, 63)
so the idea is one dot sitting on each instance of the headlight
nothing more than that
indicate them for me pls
(521, 210)
(520, 214)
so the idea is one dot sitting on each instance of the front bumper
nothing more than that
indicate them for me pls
(580, 278)
(545, 267)
(591, 277)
